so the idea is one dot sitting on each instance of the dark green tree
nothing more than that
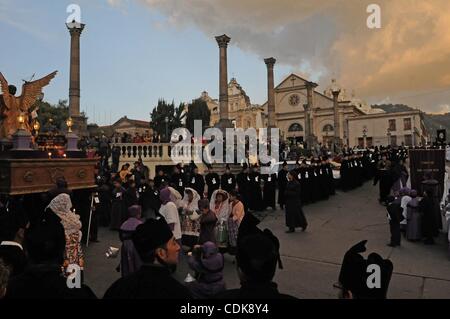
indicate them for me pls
(166, 115)
(197, 110)
(52, 115)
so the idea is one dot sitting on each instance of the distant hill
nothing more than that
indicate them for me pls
(433, 122)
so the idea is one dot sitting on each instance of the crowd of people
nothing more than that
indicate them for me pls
(196, 218)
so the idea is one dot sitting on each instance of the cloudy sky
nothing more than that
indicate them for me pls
(136, 51)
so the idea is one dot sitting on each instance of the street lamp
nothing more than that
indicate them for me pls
(36, 126)
(21, 119)
(364, 136)
(166, 120)
(69, 124)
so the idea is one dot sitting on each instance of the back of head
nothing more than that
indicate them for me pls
(45, 241)
(257, 258)
(149, 236)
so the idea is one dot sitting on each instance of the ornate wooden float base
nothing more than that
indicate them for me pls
(37, 175)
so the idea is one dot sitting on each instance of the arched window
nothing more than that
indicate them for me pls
(328, 128)
(296, 127)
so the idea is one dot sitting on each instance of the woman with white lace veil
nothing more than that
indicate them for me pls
(190, 223)
(219, 205)
(61, 205)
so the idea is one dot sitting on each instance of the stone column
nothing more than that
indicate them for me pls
(311, 139)
(270, 62)
(79, 122)
(224, 121)
(337, 126)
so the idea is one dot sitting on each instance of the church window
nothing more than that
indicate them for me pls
(296, 127)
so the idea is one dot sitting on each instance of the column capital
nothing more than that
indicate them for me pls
(311, 85)
(75, 28)
(223, 40)
(336, 93)
(270, 62)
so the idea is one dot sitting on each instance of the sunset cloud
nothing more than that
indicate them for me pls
(410, 53)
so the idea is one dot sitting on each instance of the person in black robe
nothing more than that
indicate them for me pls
(161, 179)
(384, 177)
(343, 183)
(197, 182)
(429, 227)
(131, 196)
(138, 173)
(304, 178)
(294, 213)
(255, 194)
(330, 177)
(159, 252)
(315, 182)
(178, 180)
(212, 181)
(103, 207)
(282, 182)
(149, 199)
(243, 184)
(395, 214)
(115, 157)
(118, 207)
(228, 180)
(353, 276)
(269, 189)
(324, 181)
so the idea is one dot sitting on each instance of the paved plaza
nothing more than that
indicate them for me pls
(312, 259)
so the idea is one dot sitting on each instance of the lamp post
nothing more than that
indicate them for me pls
(69, 124)
(72, 138)
(21, 138)
(166, 120)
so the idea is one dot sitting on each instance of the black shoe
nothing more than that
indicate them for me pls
(392, 245)
(290, 231)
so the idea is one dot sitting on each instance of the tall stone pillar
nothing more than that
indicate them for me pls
(79, 121)
(270, 62)
(335, 90)
(311, 139)
(224, 121)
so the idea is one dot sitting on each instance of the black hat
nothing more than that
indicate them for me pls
(151, 235)
(227, 166)
(355, 272)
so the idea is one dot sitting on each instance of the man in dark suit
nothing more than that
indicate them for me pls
(158, 251)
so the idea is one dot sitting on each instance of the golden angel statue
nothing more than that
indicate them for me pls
(11, 106)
